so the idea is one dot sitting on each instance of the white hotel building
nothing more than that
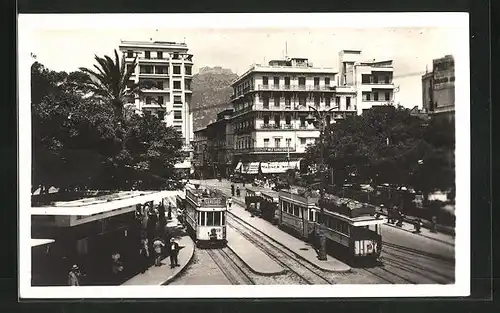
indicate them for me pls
(271, 103)
(166, 69)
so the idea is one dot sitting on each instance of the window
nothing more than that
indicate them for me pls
(375, 96)
(337, 101)
(265, 102)
(264, 80)
(296, 210)
(213, 218)
(188, 70)
(276, 81)
(387, 96)
(316, 101)
(375, 79)
(365, 78)
(327, 81)
(327, 101)
(277, 120)
(277, 142)
(302, 100)
(147, 54)
(178, 128)
(177, 69)
(303, 121)
(311, 215)
(266, 142)
(266, 120)
(159, 55)
(289, 142)
(130, 54)
(223, 218)
(146, 69)
(387, 79)
(348, 102)
(159, 85)
(148, 100)
(316, 81)
(287, 81)
(176, 56)
(288, 119)
(177, 84)
(187, 84)
(288, 102)
(202, 218)
(161, 70)
(177, 100)
(276, 101)
(160, 99)
(328, 119)
(302, 81)
(367, 96)
(302, 141)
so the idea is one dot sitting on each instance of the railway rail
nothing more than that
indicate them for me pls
(305, 271)
(229, 267)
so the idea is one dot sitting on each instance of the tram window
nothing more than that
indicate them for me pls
(223, 217)
(202, 218)
(296, 210)
(216, 218)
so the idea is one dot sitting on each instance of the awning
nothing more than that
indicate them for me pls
(250, 168)
(278, 167)
(238, 166)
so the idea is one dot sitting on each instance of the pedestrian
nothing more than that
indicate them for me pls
(144, 254)
(237, 191)
(434, 224)
(169, 216)
(417, 225)
(174, 251)
(158, 244)
(229, 202)
(74, 276)
(161, 213)
(232, 190)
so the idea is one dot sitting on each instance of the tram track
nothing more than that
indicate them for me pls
(284, 256)
(229, 267)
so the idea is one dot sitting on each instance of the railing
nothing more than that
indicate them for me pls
(265, 149)
(377, 83)
(247, 109)
(296, 87)
(270, 126)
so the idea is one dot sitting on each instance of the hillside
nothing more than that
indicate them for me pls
(211, 92)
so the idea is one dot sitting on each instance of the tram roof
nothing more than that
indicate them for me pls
(91, 206)
(271, 193)
(363, 220)
(40, 242)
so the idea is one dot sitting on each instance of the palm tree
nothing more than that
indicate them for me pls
(109, 81)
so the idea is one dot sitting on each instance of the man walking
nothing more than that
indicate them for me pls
(174, 251)
(232, 190)
(229, 202)
(74, 276)
(157, 245)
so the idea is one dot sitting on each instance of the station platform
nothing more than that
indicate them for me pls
(424, 232)
(300, 248)
(252, 256)
(163, 275)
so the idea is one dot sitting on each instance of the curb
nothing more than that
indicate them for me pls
(172, 277)
(283, 271)
(428, 237)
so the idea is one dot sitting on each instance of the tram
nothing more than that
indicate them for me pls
(205, 216)
(253, 200)
(270, 206)
(350, 228)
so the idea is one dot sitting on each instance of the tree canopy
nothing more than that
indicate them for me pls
(390, 146)
(80, 140)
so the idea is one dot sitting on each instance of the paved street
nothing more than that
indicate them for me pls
(406, 257)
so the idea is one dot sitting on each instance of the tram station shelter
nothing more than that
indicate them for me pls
(86, 232)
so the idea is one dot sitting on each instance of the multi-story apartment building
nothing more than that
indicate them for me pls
(214, 146)
(164, 70)
(438, 88)
(372, 82)
(271, 107)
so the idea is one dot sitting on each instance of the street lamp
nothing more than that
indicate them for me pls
(319, 117)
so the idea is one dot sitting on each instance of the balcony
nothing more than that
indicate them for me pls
(295, 88)
(264, 150)
(270, 126)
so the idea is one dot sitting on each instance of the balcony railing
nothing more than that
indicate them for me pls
(270, 126)
(296, 88)
(377, 83)
(265, 149)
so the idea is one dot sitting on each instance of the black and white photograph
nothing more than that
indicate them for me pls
(244, 155)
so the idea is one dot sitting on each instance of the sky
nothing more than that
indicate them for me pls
(412, 48)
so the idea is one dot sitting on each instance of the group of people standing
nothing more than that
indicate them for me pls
(154, 235)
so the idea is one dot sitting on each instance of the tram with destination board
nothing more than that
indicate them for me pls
(205, 216)
(350, 228)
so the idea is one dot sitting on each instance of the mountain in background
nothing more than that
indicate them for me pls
(211, 91)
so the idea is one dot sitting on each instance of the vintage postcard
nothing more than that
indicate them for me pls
(244, 155)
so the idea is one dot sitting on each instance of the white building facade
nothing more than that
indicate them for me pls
(371, 81)
(271, 105)
(164, 69)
